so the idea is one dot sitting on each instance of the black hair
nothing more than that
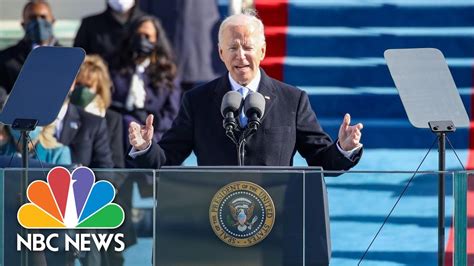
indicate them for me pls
(162, 68)
(35, 2)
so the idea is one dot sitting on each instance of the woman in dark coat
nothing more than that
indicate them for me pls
(144, 76)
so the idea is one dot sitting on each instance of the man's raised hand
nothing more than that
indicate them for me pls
(139, 136)
(349, 136)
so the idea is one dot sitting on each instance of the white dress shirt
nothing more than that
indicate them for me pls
(136, 93)
(60, 120)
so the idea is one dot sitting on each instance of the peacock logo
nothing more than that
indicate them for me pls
(70, 201)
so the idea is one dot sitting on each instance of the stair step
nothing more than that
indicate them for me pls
(305, 13)
(366, 42)
(395, 133)
(337, 3)
(273, 12)
(380, 102)
(372, 46)
(355, 72)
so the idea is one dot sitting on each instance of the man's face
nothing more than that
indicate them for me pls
(241, 52)
(36, 11)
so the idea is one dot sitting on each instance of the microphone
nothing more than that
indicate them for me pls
(230, 104)
(254, 108)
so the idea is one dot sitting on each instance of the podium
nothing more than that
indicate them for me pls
(241, 216)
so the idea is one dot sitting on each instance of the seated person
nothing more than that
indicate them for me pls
(42, 146)
(93, 93)
(85, 134)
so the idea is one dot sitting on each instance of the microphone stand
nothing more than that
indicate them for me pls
(232, 137)
(241, 152)
(254, 107)
(240, 143)
(231, 128)
(230, 125)
(248, 132)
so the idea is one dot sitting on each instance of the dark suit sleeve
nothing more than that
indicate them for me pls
(176, 144)
(81, 37)
(8, 72)
(101, 156)
(314, 144)
(115, 130)
(169, 110)
(3, 75)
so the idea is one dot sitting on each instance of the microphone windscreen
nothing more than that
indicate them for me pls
(254, 102)
(230, 102)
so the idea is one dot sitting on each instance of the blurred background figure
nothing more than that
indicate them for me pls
(237, 6)
(43, 146)
(3, 97)
(102, 34)
(85, 134)
(93, 93)
(192, 28)
(144, 76)
(37, 23)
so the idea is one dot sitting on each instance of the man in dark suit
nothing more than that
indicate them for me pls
(103, 33)
(38, 23)
(288, 125)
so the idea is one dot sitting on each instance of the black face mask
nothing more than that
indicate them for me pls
(38, 30)
(141, 46)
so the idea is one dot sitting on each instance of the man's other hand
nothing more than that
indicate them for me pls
(139, 136)
(349, 136)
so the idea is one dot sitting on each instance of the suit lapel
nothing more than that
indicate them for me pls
(222, 87)
(71, 125)
(267, 89)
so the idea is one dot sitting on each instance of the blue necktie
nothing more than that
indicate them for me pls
(243, 119)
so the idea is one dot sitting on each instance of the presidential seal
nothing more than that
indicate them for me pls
(242, 214)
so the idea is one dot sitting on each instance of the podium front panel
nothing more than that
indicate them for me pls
(186, 218)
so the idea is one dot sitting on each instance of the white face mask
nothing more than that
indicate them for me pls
(121, 6)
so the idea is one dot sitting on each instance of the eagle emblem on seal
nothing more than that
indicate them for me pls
(242, 214)
(241, 210)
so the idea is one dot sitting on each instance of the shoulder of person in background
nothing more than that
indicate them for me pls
(3, 97)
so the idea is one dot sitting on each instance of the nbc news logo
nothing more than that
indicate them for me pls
(68, 201)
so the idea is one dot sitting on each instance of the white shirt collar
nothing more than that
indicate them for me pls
(140, 68)
(253, 85)
(62, 112)
(35, 45)
(60, 120)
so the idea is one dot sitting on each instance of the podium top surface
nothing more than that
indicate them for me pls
(43, 84)
(426, 87)
(242, 168)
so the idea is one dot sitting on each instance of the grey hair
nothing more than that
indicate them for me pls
(248, 16)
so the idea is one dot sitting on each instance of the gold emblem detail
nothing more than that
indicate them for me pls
(242, 214)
